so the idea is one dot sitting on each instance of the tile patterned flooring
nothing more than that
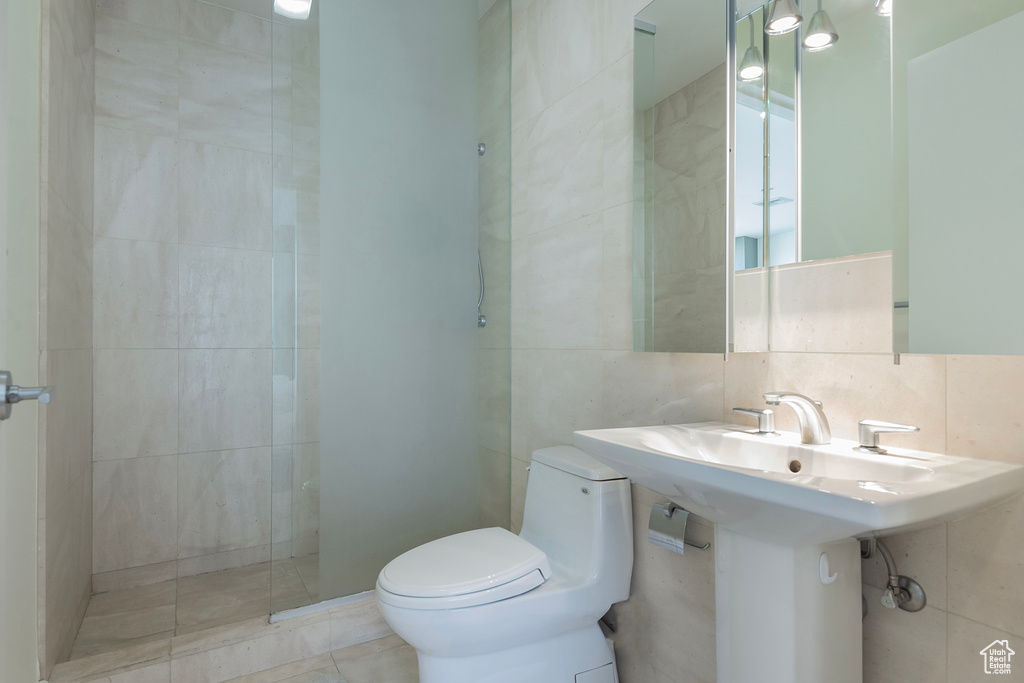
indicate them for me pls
(388, 660)
(136, 616)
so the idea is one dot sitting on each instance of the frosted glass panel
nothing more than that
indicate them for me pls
(399, 449)
(922, 27)
(965, 144)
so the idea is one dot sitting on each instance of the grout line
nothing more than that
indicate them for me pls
(177, 317)
(177, 531)
(179, 244)
(189, 348)
(981, 623)
(945, 409)
(595, 212)
(946, 643)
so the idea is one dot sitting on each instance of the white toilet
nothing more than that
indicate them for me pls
(488, 606)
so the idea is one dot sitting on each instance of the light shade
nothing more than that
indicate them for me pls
(752, 66)
(884, 8)
(785, 17)
(294, 9)
(821, 34)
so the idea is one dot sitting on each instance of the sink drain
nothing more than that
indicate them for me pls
(794, 466)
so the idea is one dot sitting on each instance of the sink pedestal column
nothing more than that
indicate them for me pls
(783, 616)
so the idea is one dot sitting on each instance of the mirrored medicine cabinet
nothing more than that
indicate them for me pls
(756, 152)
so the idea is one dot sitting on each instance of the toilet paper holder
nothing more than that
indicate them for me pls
(667, 509)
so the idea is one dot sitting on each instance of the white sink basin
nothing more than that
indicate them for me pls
(787, 567)
(744, 481)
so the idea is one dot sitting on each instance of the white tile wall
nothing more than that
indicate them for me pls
(199, 227)
(214, 24)
(225, 298)
(136, 76)
(64, 499)
(224, 95)
(835, 306)
(135, 398)
(134, 512)
(135, 294)
(225, 197)
(136, 185)
(154, 13)
(223, 501)
(67, 269)
(223, 399)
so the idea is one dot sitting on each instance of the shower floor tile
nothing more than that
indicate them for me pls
(289, 590)
(127, 617)
(308, 567)
(190, 604)
(223, 597)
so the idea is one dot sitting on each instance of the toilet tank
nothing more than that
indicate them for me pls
(578, 511)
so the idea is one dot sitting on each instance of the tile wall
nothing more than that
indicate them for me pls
(66, 324)
(205, 289)
(573, 368)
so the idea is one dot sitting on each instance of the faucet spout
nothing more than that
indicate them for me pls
(814, 427)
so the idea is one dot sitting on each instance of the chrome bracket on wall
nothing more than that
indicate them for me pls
(481, 319)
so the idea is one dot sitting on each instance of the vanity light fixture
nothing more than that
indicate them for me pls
(821, 34)
(784, 18)
(752, 66)
(883, 8)
(293, 9)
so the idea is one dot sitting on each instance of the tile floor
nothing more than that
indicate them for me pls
(388, 660)
(135, 616)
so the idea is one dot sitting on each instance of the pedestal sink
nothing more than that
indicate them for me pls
(787, 516)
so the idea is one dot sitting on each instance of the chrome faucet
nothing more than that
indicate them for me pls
(814, 427)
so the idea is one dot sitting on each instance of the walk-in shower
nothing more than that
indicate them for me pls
(297, 376)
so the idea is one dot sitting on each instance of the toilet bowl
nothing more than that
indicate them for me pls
(488, 606)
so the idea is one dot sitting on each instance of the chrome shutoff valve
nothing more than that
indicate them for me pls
(891, 599)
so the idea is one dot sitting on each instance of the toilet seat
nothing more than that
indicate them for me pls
(472, 568)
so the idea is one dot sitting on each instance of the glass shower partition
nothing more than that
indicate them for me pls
(295, 479)
(391, 404)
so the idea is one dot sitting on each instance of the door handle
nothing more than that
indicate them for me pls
(11, 393)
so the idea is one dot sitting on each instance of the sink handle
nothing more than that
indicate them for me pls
(869, 431)
(765, 418)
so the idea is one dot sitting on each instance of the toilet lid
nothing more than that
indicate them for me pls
(465, 563)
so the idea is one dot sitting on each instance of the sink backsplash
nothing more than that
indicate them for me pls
(840, 305)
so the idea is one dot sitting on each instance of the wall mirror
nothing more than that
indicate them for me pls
(753, 152)
(875, 127)
(958, 174)
(681, 181)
